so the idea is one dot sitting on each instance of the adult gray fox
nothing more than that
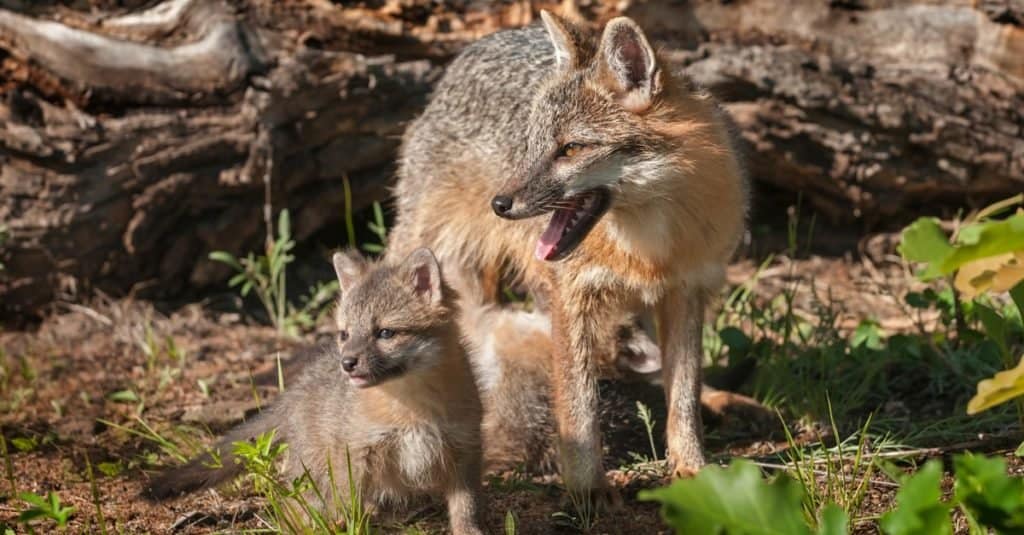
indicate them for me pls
(618, 191)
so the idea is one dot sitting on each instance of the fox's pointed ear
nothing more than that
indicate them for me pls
(628, 65)
(566, 53)
(424, 275)
(349, 266)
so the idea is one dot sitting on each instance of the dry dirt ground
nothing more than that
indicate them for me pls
(74, 384)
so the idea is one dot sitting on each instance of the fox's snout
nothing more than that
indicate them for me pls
(537, 197)
(501, 204)
(520, 206)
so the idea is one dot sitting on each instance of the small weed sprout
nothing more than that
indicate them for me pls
(510, 523)
(266, 276)
(644, 413)
(378, 226)
(95, 492)
(844, 481)
(584, 513)
(48, 507)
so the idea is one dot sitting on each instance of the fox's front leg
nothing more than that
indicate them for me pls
(680, 322)
(465, 507)
(578, 334)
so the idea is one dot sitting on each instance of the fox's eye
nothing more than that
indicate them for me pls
(342, 335)
(384, 334)
(570, 149)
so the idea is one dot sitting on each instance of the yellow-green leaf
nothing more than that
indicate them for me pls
(993, 274)
(1001, 388)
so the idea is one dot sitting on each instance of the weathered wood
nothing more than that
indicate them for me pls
(874, 111)
(134, 201)
(124, 164)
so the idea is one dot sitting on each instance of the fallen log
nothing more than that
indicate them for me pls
(133, 142)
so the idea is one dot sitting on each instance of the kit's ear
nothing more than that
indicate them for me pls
(349, 266)
(424, 275)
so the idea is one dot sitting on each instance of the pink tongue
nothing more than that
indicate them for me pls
(549, 240)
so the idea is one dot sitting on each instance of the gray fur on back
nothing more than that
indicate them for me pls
(478, 109)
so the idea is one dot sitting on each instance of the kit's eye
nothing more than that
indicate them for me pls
(342, 335)
(570, 150)
(384, 334)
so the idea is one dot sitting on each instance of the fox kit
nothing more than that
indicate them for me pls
(617, 190)
(511, 354)
(396, 397)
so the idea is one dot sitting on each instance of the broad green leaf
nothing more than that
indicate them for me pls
(995, 327)
(982, 240)
(976, 243)
(924, 241)
(33, 499)
(1017, 294)
(919, 506)
(868, 334)
(733, 501)
(833, 521)
(1020, 450)
(736, 340)
(1001, 388)
(995, 499)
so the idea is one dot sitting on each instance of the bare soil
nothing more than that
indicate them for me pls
(65, 382)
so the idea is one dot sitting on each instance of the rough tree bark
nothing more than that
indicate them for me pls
(133, 142)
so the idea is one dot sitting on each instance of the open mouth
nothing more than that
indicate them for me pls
(570, 223)
(360, 380)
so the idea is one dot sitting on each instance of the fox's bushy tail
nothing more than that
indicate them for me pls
(216, 466)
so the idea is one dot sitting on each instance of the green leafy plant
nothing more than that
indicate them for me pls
(300, 506)
(377, 226)
(737, 500)
(919, 506)
(266, 276)
(48, 507)
(644, 413)
(988, 494)
(986, 254)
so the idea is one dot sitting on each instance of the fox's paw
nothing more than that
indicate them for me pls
(685, 467)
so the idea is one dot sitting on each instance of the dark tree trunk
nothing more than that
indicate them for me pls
(133, 143)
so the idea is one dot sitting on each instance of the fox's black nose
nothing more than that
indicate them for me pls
(501, 204)
(349, 363)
